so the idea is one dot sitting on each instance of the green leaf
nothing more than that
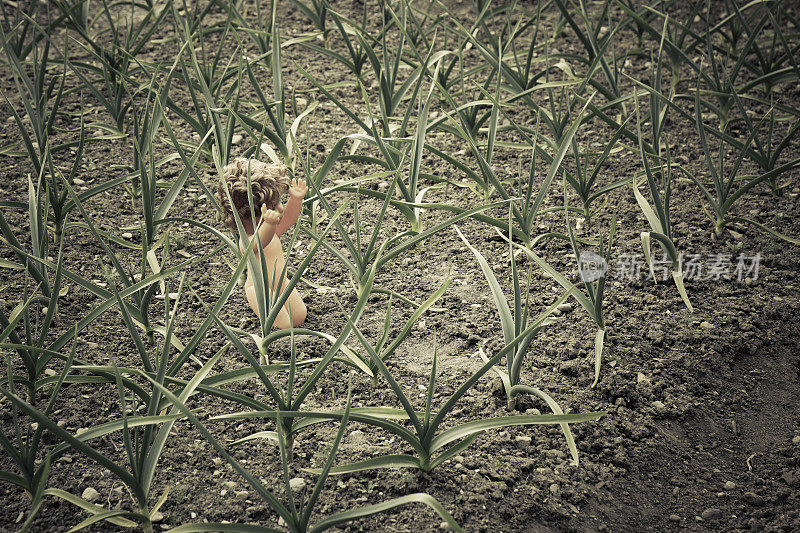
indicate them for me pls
(86, 506)
(479, 426)
(506, 320)
(349, 516)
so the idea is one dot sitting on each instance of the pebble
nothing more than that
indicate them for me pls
(522, 441)
(78, 181)
(658, 405)
(705, 324)
(383, 186)
(711, 513)
(444, 526)
(157, 517)
(753, 499)
(49, 372)
(674, 518)
(565, 307)
(729, 485)
(90, 494)
(242, 494)
(571, 368)
(127, 235)
(237, 138)
(796, 439)
(554, 488)
(297, 484)
(641, 378)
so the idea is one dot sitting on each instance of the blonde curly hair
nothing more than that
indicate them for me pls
(267, 183)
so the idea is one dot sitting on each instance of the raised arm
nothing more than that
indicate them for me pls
(266, 229)
(294, 206)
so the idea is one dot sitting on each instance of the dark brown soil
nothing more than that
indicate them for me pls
(702, 430)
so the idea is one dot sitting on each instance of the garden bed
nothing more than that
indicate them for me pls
(700, 424)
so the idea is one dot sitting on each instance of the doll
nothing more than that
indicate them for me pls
(267, 183)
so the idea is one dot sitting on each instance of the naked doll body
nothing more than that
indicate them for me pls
(272, 226)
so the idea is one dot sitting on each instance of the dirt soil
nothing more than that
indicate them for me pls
(702, 423)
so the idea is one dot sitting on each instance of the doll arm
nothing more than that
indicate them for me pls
(294, 206)
(266, 229)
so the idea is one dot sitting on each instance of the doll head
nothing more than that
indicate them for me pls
(267, 183)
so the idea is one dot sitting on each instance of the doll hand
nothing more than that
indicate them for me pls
(268, 216)
(298, 189)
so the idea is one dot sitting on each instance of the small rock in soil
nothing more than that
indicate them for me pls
(570, 368)
(357, 437)
(711, 514)
(730, 485)
(90, 494)
(565, 307)
(444, 526)
(522, 441)
(641, 378)
(753, 499)
(674, 518)
(705, 324)
(157, 517)
(297, 484)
